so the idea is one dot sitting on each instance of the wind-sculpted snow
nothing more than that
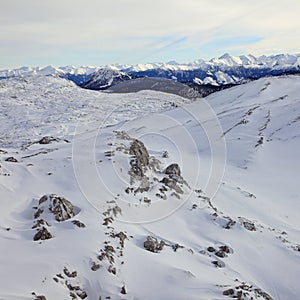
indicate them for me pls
(124, 196)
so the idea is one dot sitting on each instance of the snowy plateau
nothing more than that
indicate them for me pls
(149, 195)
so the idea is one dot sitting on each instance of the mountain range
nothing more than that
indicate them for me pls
(222, 71)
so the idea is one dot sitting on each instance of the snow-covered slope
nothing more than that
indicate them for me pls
(124, 221)
(106, 77)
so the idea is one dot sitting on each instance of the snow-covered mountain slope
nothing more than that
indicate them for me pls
(227, 69)
(45, 105)
(106, 77)
(118, 204)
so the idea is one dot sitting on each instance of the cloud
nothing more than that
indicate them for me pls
(134, 29)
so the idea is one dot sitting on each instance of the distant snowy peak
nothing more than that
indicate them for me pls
(48, 70)
(227, 69)
(225, 61)
(106, 77)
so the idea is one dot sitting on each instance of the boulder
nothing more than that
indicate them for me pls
(59, 206)
(153, 245)
(11, 159)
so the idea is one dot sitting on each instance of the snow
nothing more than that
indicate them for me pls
(280, 61)
(210, 80)
(239, 146)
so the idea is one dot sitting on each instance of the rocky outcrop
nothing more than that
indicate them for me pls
(146, 172)
(51, 209)
(60, 207)
(173, 170)
(153, 245)
(140, 159)
(42, 234)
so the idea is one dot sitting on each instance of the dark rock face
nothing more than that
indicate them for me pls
(42, 234)
(123, 290)
(228, 292)
(152, 244)
(173, 169)
(11, 159)
(173, 180)
(141, 157)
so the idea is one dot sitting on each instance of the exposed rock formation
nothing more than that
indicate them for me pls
(140, 158)
(59, 206)
(153, 245)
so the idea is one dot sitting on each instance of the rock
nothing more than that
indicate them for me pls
(40, 223)
(173, 169)
(11, 159)
(107, 221)
(42, 234)
(59, 206)
(141, 157)
(228, 292)
(112, 270)
(107, 253)
(211, 249)
(221, 253)
(70, 274)
(95, 267)
(78, 224)
(229, 224)
(175, 247)
(38, 213)
(249, 226)
(123, 290)
(123, 135)
(40, 297)
(144, 185)
(172, 184)
(147, 200)
(152, 244)
(109, 153)
(81, 294)
(47, 140)
(225, 249)
(218, 263)
(165, 154)
(122, 236)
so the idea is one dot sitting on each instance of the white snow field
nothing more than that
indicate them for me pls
(116, 223)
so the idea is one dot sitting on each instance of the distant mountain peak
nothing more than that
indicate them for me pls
(227, 69)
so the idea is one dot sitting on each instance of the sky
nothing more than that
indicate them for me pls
(100, 32)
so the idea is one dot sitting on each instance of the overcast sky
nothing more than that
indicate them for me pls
(99, 32)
